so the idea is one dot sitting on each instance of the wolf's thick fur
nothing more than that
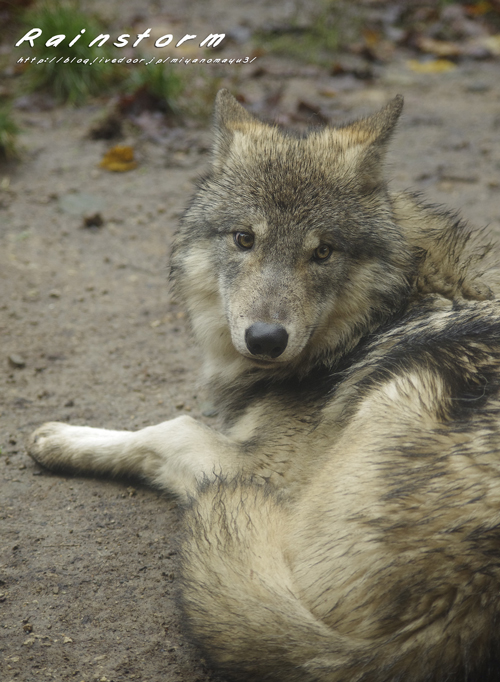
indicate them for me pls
(344, 522)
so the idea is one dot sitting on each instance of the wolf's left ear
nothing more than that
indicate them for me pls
(229, 117)
(368, 139)
(378, 128)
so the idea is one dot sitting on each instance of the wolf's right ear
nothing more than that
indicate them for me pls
(229, 117)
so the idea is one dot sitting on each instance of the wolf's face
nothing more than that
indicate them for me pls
(296, 236)
(298, 243)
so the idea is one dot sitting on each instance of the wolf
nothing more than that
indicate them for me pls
(343, 522)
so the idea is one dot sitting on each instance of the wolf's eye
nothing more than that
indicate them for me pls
(244, 240)
(322, 253)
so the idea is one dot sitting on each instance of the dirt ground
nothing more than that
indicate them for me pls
(91, 334)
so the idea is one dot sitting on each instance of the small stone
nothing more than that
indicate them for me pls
(93, 221)
(16, 361)
(208, 409)
(80, 204)
(478, 86)
(459, 177)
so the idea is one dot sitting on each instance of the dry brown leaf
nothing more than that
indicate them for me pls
(119, 159)
(479, 8)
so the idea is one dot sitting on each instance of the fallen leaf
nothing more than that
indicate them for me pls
(479, 8)
(435, 66)
(328, 92)
(492, 44)
(119, 159)
(440, 48)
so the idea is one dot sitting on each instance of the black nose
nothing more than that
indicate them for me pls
(266, 339)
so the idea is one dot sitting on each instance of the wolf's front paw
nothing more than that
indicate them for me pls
(47, 445)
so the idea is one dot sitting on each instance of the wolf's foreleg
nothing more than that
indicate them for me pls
(175, 455)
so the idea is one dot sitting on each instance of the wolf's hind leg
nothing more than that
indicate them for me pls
(175, 455)
(238, 592)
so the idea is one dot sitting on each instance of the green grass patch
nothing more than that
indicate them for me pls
(157, 82)
(70, 82)
(8, 133)
(74, 73)
(333, 25)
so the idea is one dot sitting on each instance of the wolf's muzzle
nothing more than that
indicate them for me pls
(266, 339)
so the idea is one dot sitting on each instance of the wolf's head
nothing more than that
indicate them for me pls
(290, 250)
